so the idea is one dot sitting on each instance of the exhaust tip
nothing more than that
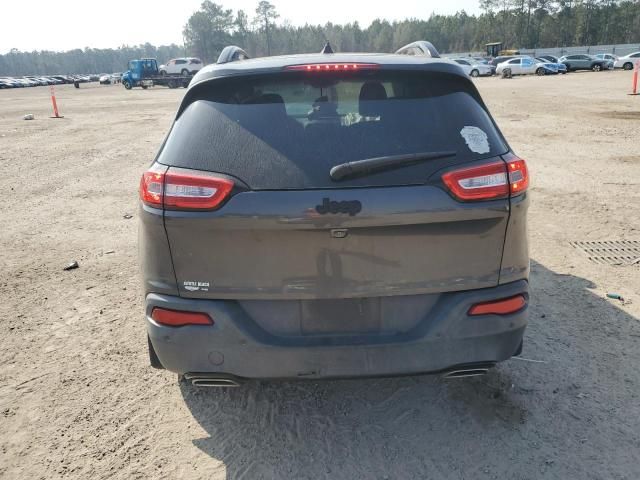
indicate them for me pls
(470, 370)
(212, 380)
(473, 372)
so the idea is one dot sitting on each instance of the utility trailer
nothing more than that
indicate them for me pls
(144, 73)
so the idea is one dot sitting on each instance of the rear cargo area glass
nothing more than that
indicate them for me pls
(286, 131)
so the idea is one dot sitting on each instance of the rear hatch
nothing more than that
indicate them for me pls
(369, 252)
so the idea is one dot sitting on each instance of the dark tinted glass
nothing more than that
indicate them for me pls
(287, 131)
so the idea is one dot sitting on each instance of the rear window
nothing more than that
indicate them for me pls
(287, 131)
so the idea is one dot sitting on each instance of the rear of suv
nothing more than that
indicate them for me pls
(181, 66)
(333, 215)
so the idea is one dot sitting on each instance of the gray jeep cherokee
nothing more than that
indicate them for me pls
(333, 215)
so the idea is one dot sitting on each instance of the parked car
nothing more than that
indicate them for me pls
(607, 57)
(10, 82)
(51, 80)
(474, 68)
(30, 82)
(35, 82)
(105, 79)
(63, 78)
(181, 66)
(628, 61)
(551, 67)
(520, 66)
(498, 60)
(548, 58)
(585, 62)
(372, 223)
(486, 61)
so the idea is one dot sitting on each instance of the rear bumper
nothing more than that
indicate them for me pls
(236, 346)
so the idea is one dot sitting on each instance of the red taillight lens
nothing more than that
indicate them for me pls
(194, 192)
(499, 307)
(176, 318)
(151, 186)
(179, 190)
(333, 67)
(487, 182)
(518, 175)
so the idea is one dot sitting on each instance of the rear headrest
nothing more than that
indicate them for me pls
(268, 98)
(371, 91)
(272, 98)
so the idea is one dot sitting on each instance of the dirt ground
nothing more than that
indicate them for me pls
(79, 400)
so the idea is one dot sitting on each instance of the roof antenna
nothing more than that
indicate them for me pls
(327, 48)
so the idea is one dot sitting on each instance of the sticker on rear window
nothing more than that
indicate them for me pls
(476, 139)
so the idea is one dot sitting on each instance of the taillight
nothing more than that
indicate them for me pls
(499, 307)
(485, 182)
(518, 175)
(151, 185)
(488, 182)
(178, 318)
(183, 189)
(333, 67)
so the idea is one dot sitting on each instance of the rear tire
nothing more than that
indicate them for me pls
(144, 87)
(184, 72)
(597, 67)
(541, 71)
(162, 73)
(627, 66)
(475, 73)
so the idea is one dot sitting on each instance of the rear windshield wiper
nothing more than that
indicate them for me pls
(373, 165)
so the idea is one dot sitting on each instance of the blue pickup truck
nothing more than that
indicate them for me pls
(144, 73)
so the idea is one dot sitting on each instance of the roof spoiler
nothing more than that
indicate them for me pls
(232, 54)
(420, 48)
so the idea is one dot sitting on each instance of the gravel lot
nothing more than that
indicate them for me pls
(77, 396)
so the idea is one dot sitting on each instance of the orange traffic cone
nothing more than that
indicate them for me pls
(55, 105)
(635, 78)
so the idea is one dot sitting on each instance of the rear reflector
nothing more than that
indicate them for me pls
(332, 67)
(499, 307)
(490, 181)
(183, 191)
(176, 318)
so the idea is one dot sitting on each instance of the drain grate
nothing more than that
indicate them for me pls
(614, 252)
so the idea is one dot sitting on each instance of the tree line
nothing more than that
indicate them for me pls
(89, 60)
(520, 24)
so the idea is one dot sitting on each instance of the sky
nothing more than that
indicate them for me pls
(64, 25)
